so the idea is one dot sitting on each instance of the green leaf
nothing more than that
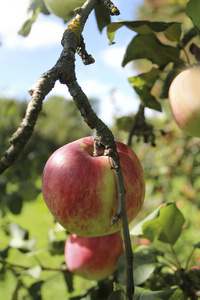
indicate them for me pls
(35, 7)
(8, 284)
(172, 29)
(167, 82)
(177, 295)
(143, 266)
(117, 295)
(31, 18)
(197, 245)
(167, 227)
(173, 32)
(164, 224)
(137, 230)
(143, 294)
(69, 280)
(40, 204)
(124, 123)
(15, 203)
(192, 11)
(143, 84)
(102, 16)
(149, 47)
(35, 290)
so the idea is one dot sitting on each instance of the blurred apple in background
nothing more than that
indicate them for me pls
(63, 8)
(184, 96)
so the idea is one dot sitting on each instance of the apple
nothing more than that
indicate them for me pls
(63, 8)
(80, 190)
(184, 96)
(93, 258)
(144, 241)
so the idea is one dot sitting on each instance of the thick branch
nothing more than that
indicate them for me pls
(25, 130)
(64, 70)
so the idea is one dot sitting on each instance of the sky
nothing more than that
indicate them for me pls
(24, 60)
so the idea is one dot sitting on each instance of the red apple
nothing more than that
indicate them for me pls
(93, 257)
(184, 96)
(144, 241)
(80, 190)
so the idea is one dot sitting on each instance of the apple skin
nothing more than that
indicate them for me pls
(184, 96)
(81, 192)
(63, 8)
(93, 258)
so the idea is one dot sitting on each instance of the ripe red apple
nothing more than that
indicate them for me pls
(184, 96)
(80, 190)
(93, 258)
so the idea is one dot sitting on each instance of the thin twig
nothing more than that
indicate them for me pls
(13, 265)
(123, 215)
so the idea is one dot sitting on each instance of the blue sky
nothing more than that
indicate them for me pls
(23, 60)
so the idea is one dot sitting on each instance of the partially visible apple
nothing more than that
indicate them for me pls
(63, 8)
(184, 96)
(80, 190)
(93, 258)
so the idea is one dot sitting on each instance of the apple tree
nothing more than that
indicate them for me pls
(161, 246)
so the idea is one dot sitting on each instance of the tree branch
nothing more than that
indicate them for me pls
(64, 70)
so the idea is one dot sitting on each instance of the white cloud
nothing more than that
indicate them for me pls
(44, 32)
(60, 90)
(113, 56)
(94, 88)
(117, 104)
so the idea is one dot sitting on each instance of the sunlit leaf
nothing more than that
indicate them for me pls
(40, 204)
(8, 284)
(143, 294)
(124, 123)
(177, 295)
(144, 27)
(142, 84)
(137, 230)
(35, 7)
(149, 47)
(173, 32)
(166, 227)
(31, 18)
(192, 10)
